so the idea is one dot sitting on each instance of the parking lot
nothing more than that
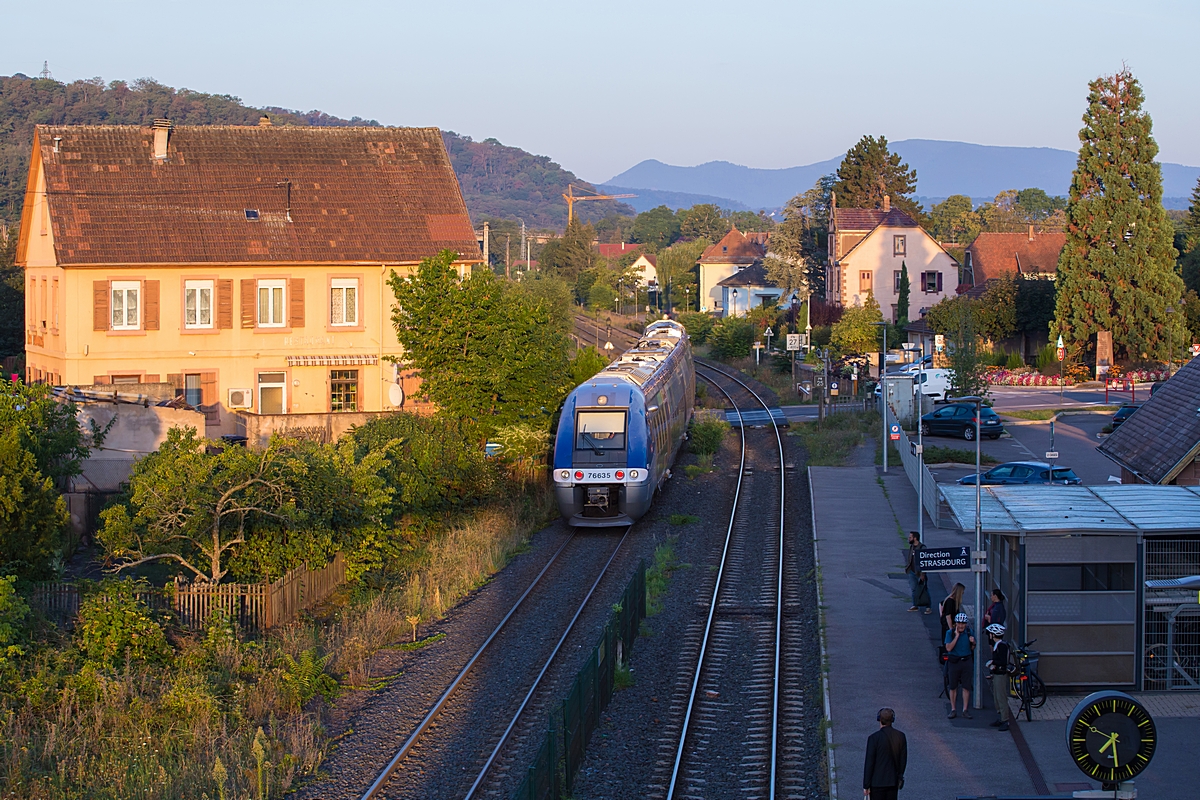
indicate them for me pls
(1074, 439)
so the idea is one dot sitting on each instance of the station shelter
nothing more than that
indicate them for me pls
(1095, 574)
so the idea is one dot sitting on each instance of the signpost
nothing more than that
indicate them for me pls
(894, 433)
(793, 344)
(768, 333)
(758, 348)
(944, 559)
(1061, 352)
(833, 389)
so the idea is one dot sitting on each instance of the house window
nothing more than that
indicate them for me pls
(899, 245)
(125, 307)
(343, 301)
(272, 392)
(193, 393)
(864, 281)
(270, 304)
(896, 281)
(197, 304)
(343, 390)
(895, 312)
(931, 282)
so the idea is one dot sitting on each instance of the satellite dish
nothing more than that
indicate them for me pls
(396, 395)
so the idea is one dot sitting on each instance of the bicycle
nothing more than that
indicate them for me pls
(1023, 680)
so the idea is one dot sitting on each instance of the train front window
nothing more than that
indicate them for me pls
(600, 430)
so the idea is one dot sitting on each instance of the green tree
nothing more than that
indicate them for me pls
(1189, 261)
(483, 351)
(571, 254)
(656, 228)
(797, 256)
(703, 221)
(747, 221)
(869, 172)
(856, 331)
(45, 427)
(902, 300)
(731, 337)
(33, 516)
(955, 220)
(1036, 205)
(996, 311)
(675, 262)
(967, 374)
(1117, 270)
(12, 296)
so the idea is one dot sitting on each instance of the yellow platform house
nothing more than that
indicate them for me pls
(244, 267)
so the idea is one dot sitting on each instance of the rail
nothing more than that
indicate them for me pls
(679, 753)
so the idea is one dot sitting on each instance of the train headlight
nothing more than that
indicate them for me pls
(633, 474)
(620, 474)
(578, 475)
(564, 475)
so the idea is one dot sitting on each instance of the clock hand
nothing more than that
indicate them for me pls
(1112, 742)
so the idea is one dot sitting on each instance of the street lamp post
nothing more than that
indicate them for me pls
(687, 298)
(734, 314)
(883, 391)
(976, 568)
(1170, 342)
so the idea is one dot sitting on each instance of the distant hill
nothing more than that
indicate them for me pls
(652, 198)
(497, 181)
(943, 169)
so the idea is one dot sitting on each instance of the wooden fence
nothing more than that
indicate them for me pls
(255, 606)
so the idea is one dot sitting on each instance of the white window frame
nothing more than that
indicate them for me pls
(197, 291)
(123, 289)
(272, 384)
(900, 245)
(276, 312)
(337, 301)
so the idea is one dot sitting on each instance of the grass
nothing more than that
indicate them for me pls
(1050, 413)
(658, 576)
(830, 443)
(683, 519)
(955, 455)
(703, 466)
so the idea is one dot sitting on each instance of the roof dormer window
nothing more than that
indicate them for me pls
(252, 214)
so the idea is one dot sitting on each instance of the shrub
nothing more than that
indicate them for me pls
(732, 337)
(698, 325)
(1014, 360)
(706, 436)
(306, 677)
(115, 624)
(1047, 357)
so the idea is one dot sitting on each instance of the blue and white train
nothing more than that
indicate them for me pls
(621, 430)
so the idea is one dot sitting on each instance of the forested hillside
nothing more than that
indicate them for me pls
(497, 181)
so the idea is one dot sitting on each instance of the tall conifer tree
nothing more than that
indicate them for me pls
(869, 172)
(1116, 271)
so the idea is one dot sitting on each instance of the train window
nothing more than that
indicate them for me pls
(600, 430)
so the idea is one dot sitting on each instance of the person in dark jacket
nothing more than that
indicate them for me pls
(998, 667)
(887, 758)
(917, 585)
(996, 615)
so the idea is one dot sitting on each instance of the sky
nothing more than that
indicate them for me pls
(599, 87)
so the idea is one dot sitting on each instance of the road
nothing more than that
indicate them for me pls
(1010, 398)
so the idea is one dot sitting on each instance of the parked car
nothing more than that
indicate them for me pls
(1124, 413)
(1025, 472)
(958, 419)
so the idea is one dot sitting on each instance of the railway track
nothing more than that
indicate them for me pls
(742, 724)
(458, 750)
(590, 333)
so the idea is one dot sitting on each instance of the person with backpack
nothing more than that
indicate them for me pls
(886, 760)
(998, 667)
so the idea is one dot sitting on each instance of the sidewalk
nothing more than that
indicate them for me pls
(880, 655)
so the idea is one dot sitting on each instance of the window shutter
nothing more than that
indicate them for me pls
(150, 305)
(100, 305)
(176, 381)
(296, 302)
(208, 398)
(225, 304)
(939, 281)
(150, 377)
(249, 292)
(100, 380)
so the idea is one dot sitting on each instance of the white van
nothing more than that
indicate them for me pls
(933, 383)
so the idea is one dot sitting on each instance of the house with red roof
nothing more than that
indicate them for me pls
(735, 252)
(869, 247)
(615, 251)
(1029, 253)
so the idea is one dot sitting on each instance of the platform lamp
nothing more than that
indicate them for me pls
(978, 676)
(734, 303)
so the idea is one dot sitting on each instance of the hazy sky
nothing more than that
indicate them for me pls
(601, 86)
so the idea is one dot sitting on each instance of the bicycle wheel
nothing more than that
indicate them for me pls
(1037, 691)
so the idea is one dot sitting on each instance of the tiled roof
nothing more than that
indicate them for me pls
(753, 275)
(1162, 436)
(357, 194)
(868, 219)
(619, 249)
(993, 254)
(735, 248)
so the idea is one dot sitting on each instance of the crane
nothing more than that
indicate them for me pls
(573, 198)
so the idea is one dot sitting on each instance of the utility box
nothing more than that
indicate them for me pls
(900, 397)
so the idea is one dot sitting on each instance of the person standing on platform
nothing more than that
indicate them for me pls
(960, 646)
(998, 666)
(918, 585)
(887, 758)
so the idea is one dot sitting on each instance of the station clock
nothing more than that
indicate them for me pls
(1111, 737)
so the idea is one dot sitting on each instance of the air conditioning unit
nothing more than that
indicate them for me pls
(241, 398)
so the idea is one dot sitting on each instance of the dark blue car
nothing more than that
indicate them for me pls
(958, 419)
(1025, 472)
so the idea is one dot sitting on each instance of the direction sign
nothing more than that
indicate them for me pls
(944, 559)
(939, 342)
(819, 378)
(895, 433)
(833, 388)
(1051, 455)
(793, 341)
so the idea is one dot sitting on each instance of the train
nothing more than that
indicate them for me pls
(620, 430)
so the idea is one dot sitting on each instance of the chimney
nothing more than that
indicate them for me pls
(162, 132)
(264, 121)
(1031, 233)
(887, 203)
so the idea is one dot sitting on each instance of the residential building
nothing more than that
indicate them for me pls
(868, 247)
(646, 268)
(1160, 442)
(247, 267)
(749, 288)
(736, 251)
(994, 254)
(618, 249)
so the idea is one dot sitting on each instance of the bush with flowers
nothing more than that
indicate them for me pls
(1024, 376)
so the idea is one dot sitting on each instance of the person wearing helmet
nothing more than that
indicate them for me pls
(998, 675)
(960, 645)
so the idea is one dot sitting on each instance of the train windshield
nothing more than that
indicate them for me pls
(600, 430)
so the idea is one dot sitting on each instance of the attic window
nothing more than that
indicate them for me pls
(252, 214)
(724, 249)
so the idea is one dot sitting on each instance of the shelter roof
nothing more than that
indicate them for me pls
(1076, 509)
(1164, 435)
(734, 248)
(227, 194)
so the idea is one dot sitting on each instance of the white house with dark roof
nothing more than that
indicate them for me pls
(736, 251)
(867, 249)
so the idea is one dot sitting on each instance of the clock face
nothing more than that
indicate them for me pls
(1111, 737)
